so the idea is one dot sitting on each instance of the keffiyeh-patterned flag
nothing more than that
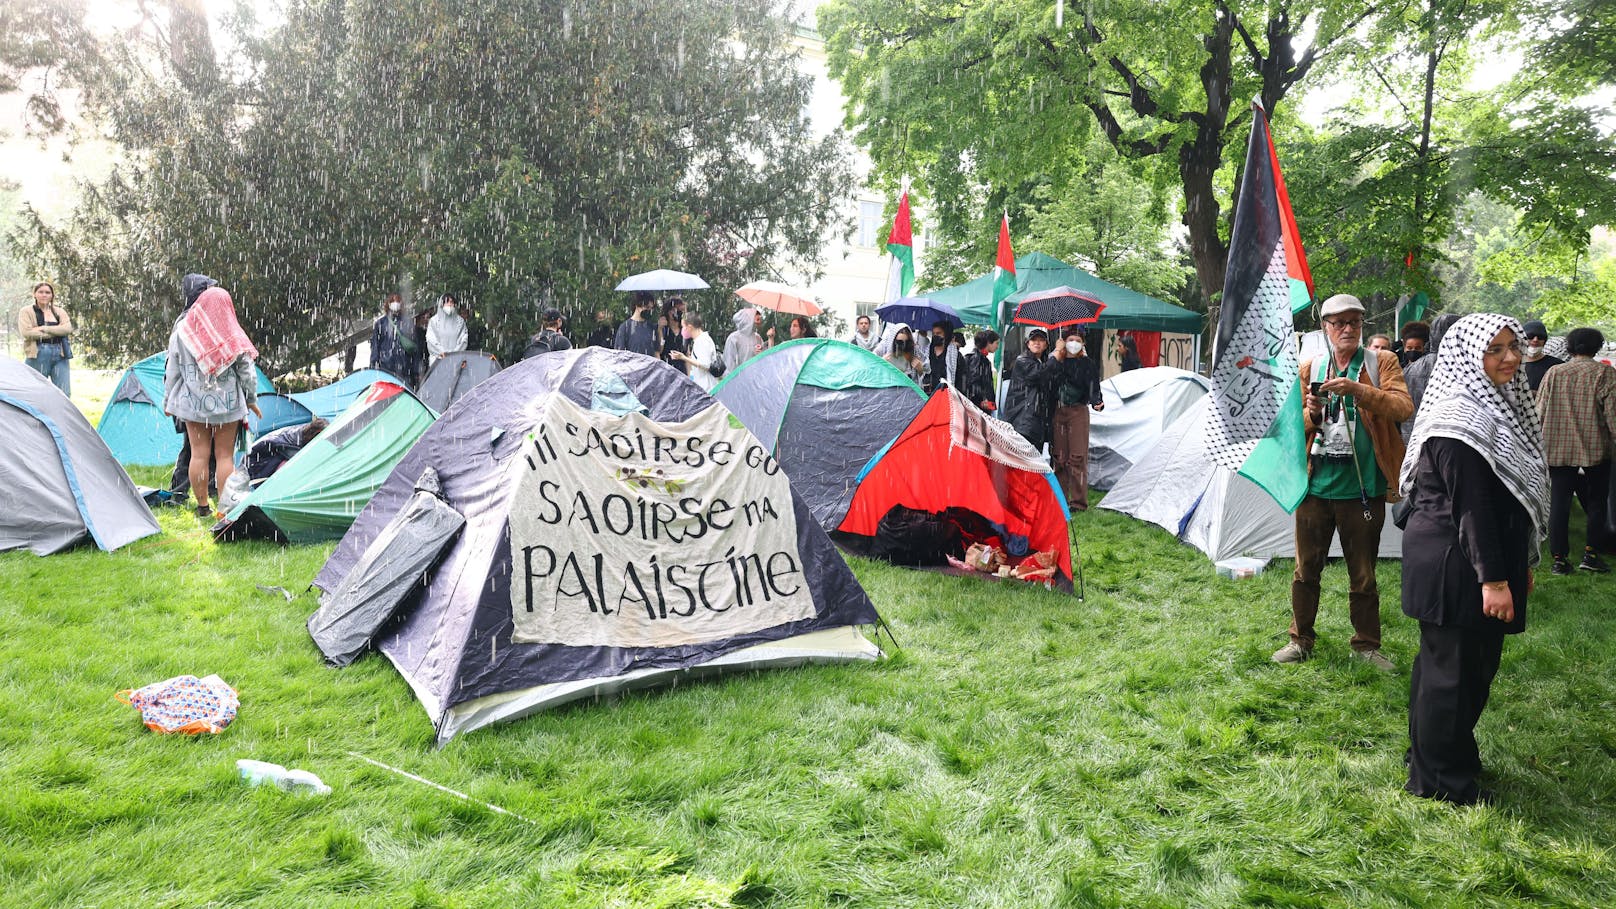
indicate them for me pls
(1255, 423)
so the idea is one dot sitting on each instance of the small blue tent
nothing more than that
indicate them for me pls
(329, 401)
(134, 425)
(279, 412)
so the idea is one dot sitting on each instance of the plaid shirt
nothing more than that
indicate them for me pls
(1577, 404)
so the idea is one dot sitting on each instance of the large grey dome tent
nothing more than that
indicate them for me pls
(58, 481)
(622, 529)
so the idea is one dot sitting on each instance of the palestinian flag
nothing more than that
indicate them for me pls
(1298, 278)
(1004, 266)
(900, 242)
(1255, 422)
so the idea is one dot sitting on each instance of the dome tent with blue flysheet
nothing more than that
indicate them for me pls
(622, 529)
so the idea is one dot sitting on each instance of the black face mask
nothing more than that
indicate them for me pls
(1412, 355)
(903, 346)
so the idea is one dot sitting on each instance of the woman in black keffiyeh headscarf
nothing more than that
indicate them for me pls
(1477, 479)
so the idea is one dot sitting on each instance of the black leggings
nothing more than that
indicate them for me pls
(1591, 485)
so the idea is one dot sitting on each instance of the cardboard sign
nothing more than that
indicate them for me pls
(626, 532)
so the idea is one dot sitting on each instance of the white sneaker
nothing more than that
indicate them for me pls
(1376, 659)
(1292, 652)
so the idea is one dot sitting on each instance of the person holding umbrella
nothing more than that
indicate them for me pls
(1029, 402)
(1077, 391)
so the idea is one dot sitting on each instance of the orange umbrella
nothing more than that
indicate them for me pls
(779, 297)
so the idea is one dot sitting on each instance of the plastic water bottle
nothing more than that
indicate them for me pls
(257, 773)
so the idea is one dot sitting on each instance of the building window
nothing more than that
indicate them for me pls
(869, 224)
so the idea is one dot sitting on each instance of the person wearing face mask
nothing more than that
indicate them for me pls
(1078, 390)
(976, 371)
(638, 333)
(902, 353)
(1534, 362)
(392, 339)
(1416, 341)
(942, 360)
(1029, 401)
(1418, 372)
(601, 336)
(446, 333)
(674, 336)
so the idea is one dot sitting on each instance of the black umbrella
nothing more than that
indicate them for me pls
(1057, 307)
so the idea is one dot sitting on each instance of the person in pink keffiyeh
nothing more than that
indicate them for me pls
(210, 384)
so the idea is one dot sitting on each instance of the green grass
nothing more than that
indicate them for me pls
(1019, 749)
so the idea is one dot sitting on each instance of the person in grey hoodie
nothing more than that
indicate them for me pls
(744, 341)
(446, 332)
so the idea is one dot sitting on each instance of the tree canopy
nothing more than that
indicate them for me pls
(985, 102)
(519, 154)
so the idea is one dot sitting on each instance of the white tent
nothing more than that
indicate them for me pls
(1177, 487)
(1140, 405)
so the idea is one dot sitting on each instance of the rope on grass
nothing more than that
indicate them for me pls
(423, 780)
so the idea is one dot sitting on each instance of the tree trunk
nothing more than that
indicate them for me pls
(1198, 163)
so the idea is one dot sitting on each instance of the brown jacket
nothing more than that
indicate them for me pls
(1382, 409)
(32, 332)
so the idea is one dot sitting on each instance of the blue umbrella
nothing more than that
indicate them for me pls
(662, 279)
(919, 313)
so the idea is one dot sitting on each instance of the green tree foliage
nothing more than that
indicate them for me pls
(519, 154)
(1382, 185)
(982, 101)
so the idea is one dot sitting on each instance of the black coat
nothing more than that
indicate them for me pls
(1464, 528)
(1079, 381)
(976, 378)
(1029, 401)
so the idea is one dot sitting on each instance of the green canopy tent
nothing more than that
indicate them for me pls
(1125, 310)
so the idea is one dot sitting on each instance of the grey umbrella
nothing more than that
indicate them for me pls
(663, 279)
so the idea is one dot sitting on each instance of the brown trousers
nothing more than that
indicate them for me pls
(1070, 447)
(1317, 521)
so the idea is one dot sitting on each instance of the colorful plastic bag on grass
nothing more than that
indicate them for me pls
(185, 704)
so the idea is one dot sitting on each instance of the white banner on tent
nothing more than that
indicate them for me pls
(626, 532)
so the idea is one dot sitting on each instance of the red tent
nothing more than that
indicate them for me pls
(952, 455)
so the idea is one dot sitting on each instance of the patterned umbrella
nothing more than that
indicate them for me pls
(1057, 307)
(919, 313)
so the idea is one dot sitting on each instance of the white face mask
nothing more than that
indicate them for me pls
(394, 306)
(1074, 347)
(448, 310)
(1533, 350)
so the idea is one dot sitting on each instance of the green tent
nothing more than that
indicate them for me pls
(317, 494)
(1124, 309)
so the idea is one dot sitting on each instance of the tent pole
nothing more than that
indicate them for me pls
(1077, 560)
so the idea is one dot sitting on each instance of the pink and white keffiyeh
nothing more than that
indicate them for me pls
(211, 333)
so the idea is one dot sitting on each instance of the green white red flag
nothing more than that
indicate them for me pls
(900, 243)
(1004, 265)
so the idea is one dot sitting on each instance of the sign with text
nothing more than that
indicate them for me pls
(626, 532)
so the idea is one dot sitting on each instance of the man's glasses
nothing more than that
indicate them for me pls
(1344, 323)
(1536, 338)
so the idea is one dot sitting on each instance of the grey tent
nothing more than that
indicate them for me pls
(798, 396)
(58, 481)
(622, 529)
(386, 573)
(452, 375)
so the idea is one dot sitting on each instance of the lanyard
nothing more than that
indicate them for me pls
(1349, 411)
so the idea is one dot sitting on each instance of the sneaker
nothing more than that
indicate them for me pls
(1376, 659)
(1292, 652)
(1562, 565)
(1593, 563)
(204, 512)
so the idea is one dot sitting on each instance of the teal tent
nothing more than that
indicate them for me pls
(317, 494)
(134, 426)
(1125, 310)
